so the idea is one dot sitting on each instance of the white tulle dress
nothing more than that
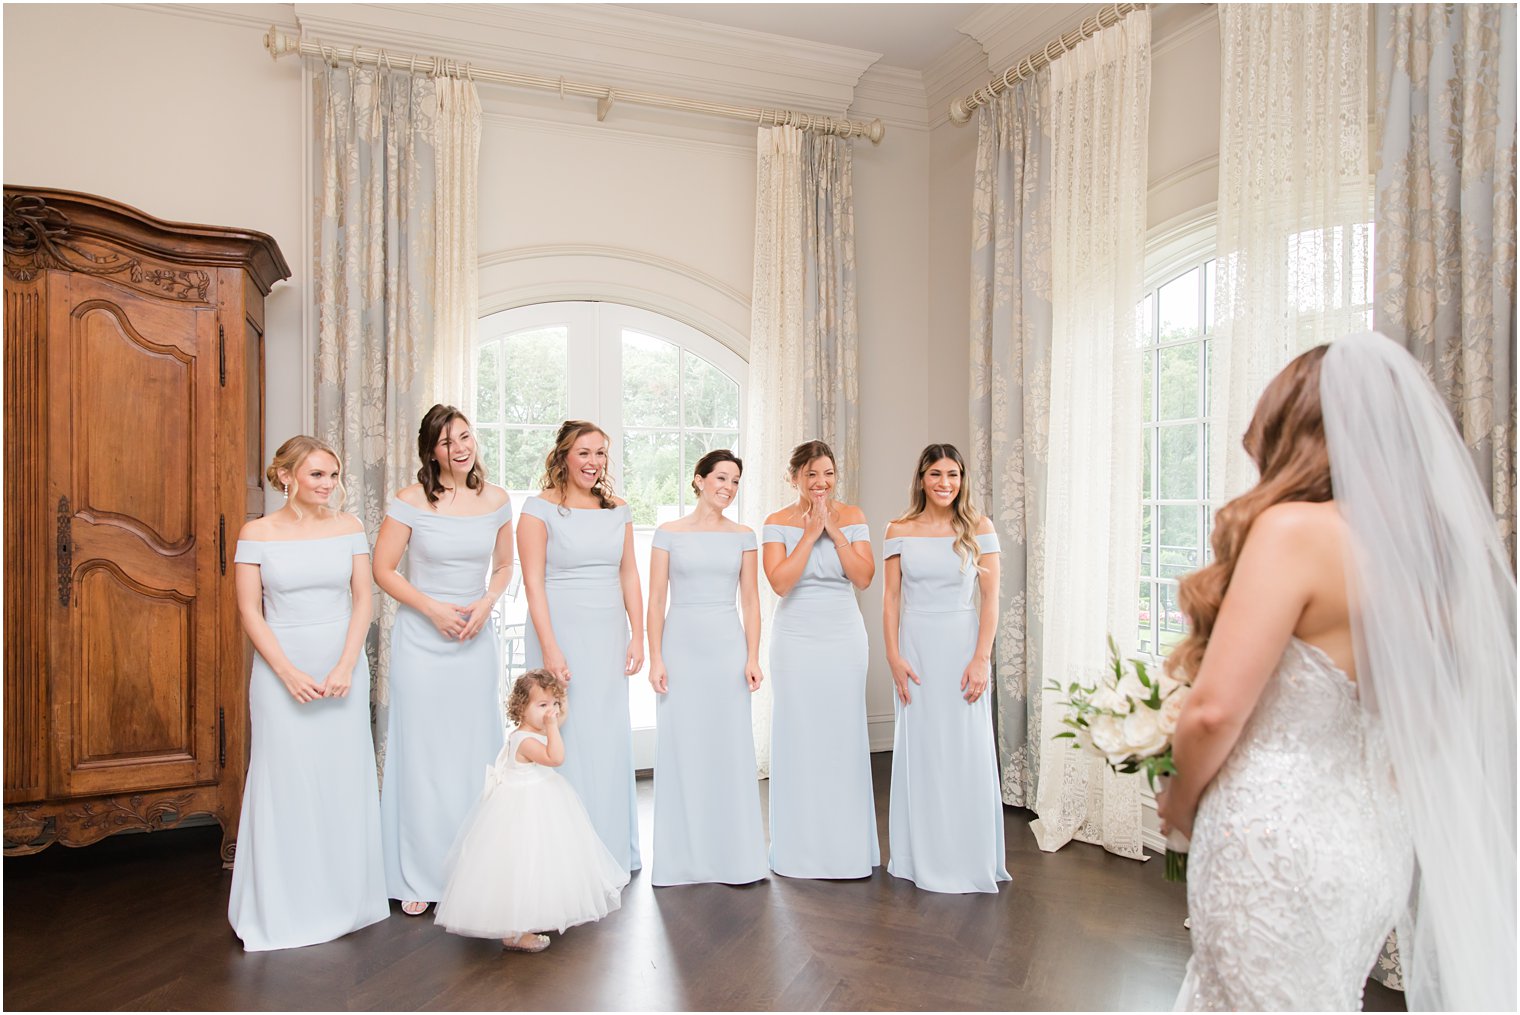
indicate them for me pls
(527, 857)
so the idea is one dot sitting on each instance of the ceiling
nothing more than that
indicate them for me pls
(905, 34)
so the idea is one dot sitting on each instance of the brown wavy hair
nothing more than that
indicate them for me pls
(807, 452)
(1286, 439)
(291, 454)
(964, 517)
(557, 463)
(522, 690)
(434, 422)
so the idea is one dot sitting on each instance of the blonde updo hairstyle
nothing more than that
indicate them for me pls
(289, 458)
(522, 691)
(557, 463)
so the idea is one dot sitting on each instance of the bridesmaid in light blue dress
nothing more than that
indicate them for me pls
(704, 665)
(445, 724)
(308, 864)
(575, 541)
(946, 820)
(817, 554)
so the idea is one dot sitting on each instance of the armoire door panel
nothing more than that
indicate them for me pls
(137, 679)
(136, 686)
(134, 418)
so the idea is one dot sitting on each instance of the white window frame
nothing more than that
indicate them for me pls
(594, 389)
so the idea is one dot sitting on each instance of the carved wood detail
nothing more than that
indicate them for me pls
(39, 236)
(126, 671)
(30, 828)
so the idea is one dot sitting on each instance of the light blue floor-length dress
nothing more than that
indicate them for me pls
(945, 825)
(706, 794)
(308, 866)
(823, 814)
(581, 560)
(446, 721)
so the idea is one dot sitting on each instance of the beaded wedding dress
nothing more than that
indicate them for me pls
(1344, 808)
(1297, 871)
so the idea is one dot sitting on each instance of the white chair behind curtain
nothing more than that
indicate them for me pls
(1100, 101)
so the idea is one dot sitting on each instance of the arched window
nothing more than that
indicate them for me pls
(665, 393)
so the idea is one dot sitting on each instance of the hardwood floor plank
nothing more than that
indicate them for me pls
(140, 922)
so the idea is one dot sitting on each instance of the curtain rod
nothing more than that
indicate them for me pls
(281, 43)
(960, 109)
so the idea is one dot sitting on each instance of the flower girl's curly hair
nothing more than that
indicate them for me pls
(523, 689)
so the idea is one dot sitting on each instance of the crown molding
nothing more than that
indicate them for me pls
(895, 95)
(259, 16)
(1173, 25)
(603, 43)
(1009, 32)
(955, 72)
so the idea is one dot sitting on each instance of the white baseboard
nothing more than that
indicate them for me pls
(880, 730)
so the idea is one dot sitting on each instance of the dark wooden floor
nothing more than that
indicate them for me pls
(139, 921)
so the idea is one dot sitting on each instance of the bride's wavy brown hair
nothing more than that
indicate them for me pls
(1286, 439)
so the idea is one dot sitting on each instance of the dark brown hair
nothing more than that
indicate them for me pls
(557, 463)
(711, 461)
(434, 423)
(1286, 439)
(808, 451)
(522, 690)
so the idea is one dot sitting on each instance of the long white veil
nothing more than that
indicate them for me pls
(1434, 622)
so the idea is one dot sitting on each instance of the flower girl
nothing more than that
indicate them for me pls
(527, 858)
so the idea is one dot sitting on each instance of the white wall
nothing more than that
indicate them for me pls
(184, 115)
(184, 118)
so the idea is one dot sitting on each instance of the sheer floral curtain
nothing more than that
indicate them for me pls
(456, 299)
(1295, 196)
(1010, 399)
(380, 145)
(1099, 104)
(803, 337)
(1445, 251)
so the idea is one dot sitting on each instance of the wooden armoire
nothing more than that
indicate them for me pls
(134, 420)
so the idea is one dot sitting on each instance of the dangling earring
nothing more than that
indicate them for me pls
(287, 491)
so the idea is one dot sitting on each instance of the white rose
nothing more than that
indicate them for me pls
(1106, 697)
(1171, 709)
(1130, 687)
(1107, 733)
(1143, 733)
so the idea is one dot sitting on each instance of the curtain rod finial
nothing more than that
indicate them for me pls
(278, 43)
(875, 131)
(959, 113)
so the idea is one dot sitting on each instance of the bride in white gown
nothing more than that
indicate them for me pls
(1346, 761)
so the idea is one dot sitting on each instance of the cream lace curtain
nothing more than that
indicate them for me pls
(803, 343)
(1010, 400)
(1445, 251)
(456, 280)
(381, 269)
(1099, 104)
(1294, 198)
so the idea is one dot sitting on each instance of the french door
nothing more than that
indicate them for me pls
(665, 393)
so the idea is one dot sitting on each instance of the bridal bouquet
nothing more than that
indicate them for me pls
(1129, 717)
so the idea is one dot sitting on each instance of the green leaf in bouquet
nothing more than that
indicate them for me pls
(1062, 736)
